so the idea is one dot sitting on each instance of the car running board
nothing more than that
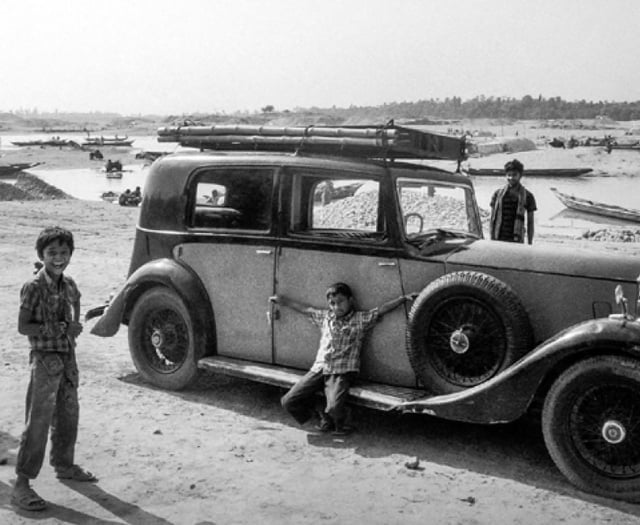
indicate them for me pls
(371, 395)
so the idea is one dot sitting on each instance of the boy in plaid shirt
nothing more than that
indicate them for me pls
(337, 362)
(49, 317)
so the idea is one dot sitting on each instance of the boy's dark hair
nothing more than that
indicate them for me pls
(514, 165)
(52, 234)
(341, 289)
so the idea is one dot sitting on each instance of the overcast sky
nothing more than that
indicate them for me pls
(174, 57)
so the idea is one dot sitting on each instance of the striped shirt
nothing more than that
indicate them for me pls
(49, 304)
(341, 339)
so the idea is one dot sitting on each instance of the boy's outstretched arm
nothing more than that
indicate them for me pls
(291, 303)
(394, 303)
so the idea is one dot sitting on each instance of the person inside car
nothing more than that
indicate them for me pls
(337, 362)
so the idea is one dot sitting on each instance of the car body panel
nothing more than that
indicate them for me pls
(159, 272)
(242, 326)
(307, 273)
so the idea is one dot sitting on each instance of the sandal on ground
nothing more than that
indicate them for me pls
(75, 473)
(344, 430)
(27, 499)
(325, 425)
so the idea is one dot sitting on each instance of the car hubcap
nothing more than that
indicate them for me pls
(466, 341)
(605, 429)
(166, 340)
(156, 339)
(459, 342)
(613, 432)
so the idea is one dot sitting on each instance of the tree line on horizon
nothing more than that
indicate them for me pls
(526, 108)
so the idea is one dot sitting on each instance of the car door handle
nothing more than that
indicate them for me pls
(386, 264)
(264, 252)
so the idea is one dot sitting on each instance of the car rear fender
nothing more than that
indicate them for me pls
(508, 395)
(159, 272)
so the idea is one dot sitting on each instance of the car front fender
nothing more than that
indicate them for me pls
(159, 272)
(508, 395)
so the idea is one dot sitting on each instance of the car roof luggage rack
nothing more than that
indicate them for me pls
(381, 142)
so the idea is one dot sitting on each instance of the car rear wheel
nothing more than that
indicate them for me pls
(161, 339)
(463, 329)
(591, 426)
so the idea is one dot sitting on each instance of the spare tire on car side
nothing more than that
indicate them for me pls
(463, 329)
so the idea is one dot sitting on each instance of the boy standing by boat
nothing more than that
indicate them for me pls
(49, 317)
(510, 206)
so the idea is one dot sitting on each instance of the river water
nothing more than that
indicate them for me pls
(552, 216)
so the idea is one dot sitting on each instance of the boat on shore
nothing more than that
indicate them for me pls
(8, 170)
(54, 141)
(533, 172)
(108, 141)
(597, 208)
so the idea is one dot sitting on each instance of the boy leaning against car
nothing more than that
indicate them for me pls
(337, 362)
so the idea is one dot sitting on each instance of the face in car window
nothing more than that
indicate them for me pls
(238, 198)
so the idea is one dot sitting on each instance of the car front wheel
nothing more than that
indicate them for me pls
(591, 426)
(161, 339)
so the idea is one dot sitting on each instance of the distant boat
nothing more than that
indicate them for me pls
(633, 147)
(108, 141)
(114, 174)
(597, 208)
(50, 142)
(7, 170)
(534, 172)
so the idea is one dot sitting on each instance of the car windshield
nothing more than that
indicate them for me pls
(437, 210)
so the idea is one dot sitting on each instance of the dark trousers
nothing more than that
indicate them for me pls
(302, 402)
(52, 401)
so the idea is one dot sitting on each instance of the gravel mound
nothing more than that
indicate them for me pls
(38, 189)
(8, 192)
(612, 235)
(359, 211)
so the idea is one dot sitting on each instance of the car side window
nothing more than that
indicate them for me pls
(232, 198)
(336, 206)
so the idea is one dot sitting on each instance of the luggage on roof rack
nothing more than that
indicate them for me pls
(389, 142)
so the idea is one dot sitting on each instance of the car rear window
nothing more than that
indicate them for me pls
(232, 198)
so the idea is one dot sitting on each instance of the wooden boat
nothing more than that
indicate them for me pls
(597, 208)
(632, 147)
(108, 141)
(114, 174)
(110, 196)
(8, 170)
(40, 143)
(534, 172)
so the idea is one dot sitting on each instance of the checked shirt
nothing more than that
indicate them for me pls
(49, 304)
(341, 339)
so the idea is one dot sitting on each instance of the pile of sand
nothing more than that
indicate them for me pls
(30, 187)
(8, 192)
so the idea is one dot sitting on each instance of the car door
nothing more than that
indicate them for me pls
(337, 232)
(235, 255)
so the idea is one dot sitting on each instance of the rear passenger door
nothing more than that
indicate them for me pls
(233, 253)
(336, 230)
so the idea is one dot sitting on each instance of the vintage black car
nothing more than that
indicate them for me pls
(497, 328)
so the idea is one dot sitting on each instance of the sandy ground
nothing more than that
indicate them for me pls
(224, 452)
